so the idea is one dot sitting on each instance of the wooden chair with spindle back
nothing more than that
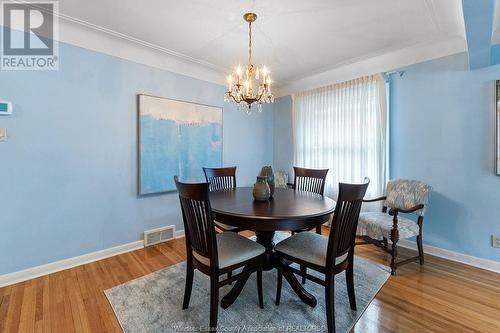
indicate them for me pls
(309, 180)
(222, 179)
(328, 255)
(211, 253)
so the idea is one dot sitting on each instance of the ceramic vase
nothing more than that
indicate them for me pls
(261, 191)
(267, 171)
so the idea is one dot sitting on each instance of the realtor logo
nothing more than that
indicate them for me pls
(29, 35)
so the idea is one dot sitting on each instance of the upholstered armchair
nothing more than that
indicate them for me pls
(281, 179)
(402, 196)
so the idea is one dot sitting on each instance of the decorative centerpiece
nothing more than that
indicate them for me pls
(267, 171)
(261, 191)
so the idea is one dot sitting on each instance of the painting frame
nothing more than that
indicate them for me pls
(497, 127)
(140, 192)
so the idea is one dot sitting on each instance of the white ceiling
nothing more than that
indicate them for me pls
(295, 38)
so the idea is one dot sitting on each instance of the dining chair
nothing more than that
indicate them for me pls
(310, 180)
(214, 254)
(222, 179)
(402, 196)
(328, 255)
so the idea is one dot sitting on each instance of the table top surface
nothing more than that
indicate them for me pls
(285, 204)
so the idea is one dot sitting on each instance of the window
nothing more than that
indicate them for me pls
(343, 127)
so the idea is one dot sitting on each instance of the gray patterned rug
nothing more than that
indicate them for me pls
(153, 303)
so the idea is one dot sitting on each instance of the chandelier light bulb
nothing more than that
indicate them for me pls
(239, 71)
(264, 71)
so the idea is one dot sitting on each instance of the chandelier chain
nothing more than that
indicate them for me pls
(250, 43)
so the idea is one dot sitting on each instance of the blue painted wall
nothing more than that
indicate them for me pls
(283, 134)
(442, 132)
(478, 19)
(68, 172)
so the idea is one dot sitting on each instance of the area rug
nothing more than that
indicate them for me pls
(153, 303)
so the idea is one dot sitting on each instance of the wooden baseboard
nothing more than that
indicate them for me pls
(37, 271)
(34, 272)
(60, 265)
(486, 264)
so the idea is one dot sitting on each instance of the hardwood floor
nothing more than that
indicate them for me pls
(441, 296)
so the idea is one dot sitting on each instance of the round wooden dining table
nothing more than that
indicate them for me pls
(286, 210)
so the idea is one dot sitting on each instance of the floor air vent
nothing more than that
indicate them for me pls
(159, 235)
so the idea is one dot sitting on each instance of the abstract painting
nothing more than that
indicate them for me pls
(176, 138)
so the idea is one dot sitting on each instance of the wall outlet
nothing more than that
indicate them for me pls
(495, 241)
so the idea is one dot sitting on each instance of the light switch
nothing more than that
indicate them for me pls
(3, 134)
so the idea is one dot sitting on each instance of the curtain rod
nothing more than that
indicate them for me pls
(400, 73)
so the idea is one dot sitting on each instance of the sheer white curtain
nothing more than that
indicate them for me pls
(343, 127)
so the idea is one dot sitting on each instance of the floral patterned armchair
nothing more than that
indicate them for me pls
(281, 179)
(402, 196)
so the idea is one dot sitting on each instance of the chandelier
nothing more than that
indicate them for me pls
(243, 91)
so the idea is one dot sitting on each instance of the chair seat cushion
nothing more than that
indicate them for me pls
(233, 249)
(308, 246)
(377, 225)
(225, 227)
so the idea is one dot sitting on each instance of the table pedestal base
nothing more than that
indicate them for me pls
(265, 238)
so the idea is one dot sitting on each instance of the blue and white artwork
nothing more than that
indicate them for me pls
(176, 138)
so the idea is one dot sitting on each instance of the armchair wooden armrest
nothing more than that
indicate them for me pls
(376, 199)
(395, 211)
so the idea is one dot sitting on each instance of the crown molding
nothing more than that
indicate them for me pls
(122, 46)
(378, 64)
(97, 38)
